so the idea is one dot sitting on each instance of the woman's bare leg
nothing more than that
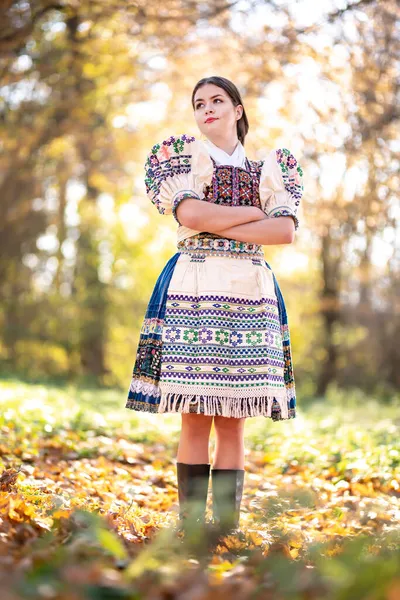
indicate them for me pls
(229, 448)
(194, 440)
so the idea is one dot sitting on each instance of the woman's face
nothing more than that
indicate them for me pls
(215, 114)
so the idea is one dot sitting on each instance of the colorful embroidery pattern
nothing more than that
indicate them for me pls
(214, 342)
(166, 160)
(230, 186)
(144, 388)
(284, 212)
(292, 175)
(209, 242)
(200, 359)
(235, 186)
(287, 353)
(178, 199)
(212, 352)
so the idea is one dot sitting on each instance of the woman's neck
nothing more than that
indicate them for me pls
(227, 145)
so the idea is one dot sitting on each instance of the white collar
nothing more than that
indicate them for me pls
(236, 159)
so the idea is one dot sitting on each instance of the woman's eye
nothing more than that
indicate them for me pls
(201, 103)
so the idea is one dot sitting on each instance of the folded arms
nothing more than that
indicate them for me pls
(242, 223)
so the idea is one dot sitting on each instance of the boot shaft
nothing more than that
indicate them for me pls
(193, 482)
(227, 492)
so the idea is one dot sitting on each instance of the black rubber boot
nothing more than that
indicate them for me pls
(227, 491)
(192, 492)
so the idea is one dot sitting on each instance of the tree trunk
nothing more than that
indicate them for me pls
(330, 309)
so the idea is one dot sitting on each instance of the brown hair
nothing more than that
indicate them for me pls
(242, 125)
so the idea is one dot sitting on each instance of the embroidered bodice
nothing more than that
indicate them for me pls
(181, 167)
(235, 186)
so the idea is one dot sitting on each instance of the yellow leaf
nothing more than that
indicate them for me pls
(58, 514)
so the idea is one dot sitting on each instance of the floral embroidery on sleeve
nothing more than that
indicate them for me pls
(292, 176)
(165, 161)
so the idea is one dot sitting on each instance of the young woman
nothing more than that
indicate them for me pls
(214, 345)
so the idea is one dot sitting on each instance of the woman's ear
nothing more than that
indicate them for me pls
(239, 111)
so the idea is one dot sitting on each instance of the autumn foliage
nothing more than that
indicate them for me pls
(88, 504)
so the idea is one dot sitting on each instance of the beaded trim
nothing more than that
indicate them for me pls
(215, 245)
(177, 199)
(284, 211)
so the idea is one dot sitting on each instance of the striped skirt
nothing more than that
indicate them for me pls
(215, 337)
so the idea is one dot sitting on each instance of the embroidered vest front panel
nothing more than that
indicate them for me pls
(235, 186)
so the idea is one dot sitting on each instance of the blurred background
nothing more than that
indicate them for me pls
(87, 88)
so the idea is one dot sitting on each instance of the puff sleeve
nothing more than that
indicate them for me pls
(177, 168)
(281, 184)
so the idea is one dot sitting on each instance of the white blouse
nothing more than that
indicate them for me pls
(180, 167)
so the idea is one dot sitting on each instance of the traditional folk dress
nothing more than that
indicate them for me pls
(215, 337)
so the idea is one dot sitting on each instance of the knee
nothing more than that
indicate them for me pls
(229, 426)
(196, 425)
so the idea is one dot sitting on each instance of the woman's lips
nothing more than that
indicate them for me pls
(211, 119)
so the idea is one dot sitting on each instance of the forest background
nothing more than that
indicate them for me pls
(86, 90)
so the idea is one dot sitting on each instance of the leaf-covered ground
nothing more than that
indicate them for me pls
(87, 486)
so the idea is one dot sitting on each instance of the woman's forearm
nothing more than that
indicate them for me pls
(205, 216)
(275, 230)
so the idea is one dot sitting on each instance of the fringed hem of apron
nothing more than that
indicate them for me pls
(266, 406)
(226, 407)
(278, 404)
